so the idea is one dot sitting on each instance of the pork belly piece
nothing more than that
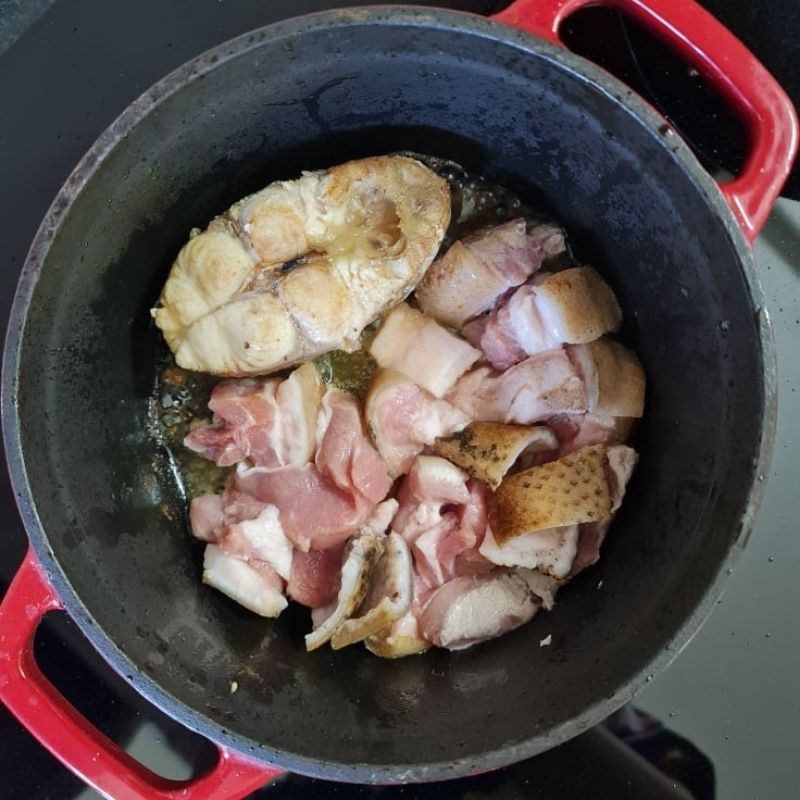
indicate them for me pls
(210, 515)
(315, 514)
(362, 554)
(614, 378)
(529, 392)
(590, 538)
(431, 483)
(324, 503)
(442, 516)
(261, 538)
(475, 271)
(388, 597)
(581, 487)
(551, 551)
(573, 306)
(253, 584)
(575, 431)
(621, 463)
(469, 610)
(554, 517)
(243, 527)
(417, 346)
(403, 418)
(381, 517)
(602, 378)
(271, 423)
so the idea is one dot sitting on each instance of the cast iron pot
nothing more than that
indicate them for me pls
(106, 542)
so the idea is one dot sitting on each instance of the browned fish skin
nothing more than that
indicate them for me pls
(488, 450)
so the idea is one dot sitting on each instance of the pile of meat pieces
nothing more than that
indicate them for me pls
(481, 474)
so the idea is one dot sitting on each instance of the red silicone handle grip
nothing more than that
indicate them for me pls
(727, 64)
(36, 703)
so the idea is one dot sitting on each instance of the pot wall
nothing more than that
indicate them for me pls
(307, 94)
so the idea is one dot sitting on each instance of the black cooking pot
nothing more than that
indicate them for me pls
(108, 537)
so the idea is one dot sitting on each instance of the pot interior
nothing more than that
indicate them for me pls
(308, 94)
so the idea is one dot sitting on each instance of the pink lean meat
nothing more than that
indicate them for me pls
(324, 503)
(442, 516)
(270, 423)
(403, 418)
(475, 271)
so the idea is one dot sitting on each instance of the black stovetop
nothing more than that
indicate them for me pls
(67, 69)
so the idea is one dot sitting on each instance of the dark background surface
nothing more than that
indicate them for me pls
(67, 69)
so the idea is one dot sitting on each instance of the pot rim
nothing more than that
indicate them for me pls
(445, 21)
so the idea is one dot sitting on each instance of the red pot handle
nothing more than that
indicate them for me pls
(728, 65)
(72, 739)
